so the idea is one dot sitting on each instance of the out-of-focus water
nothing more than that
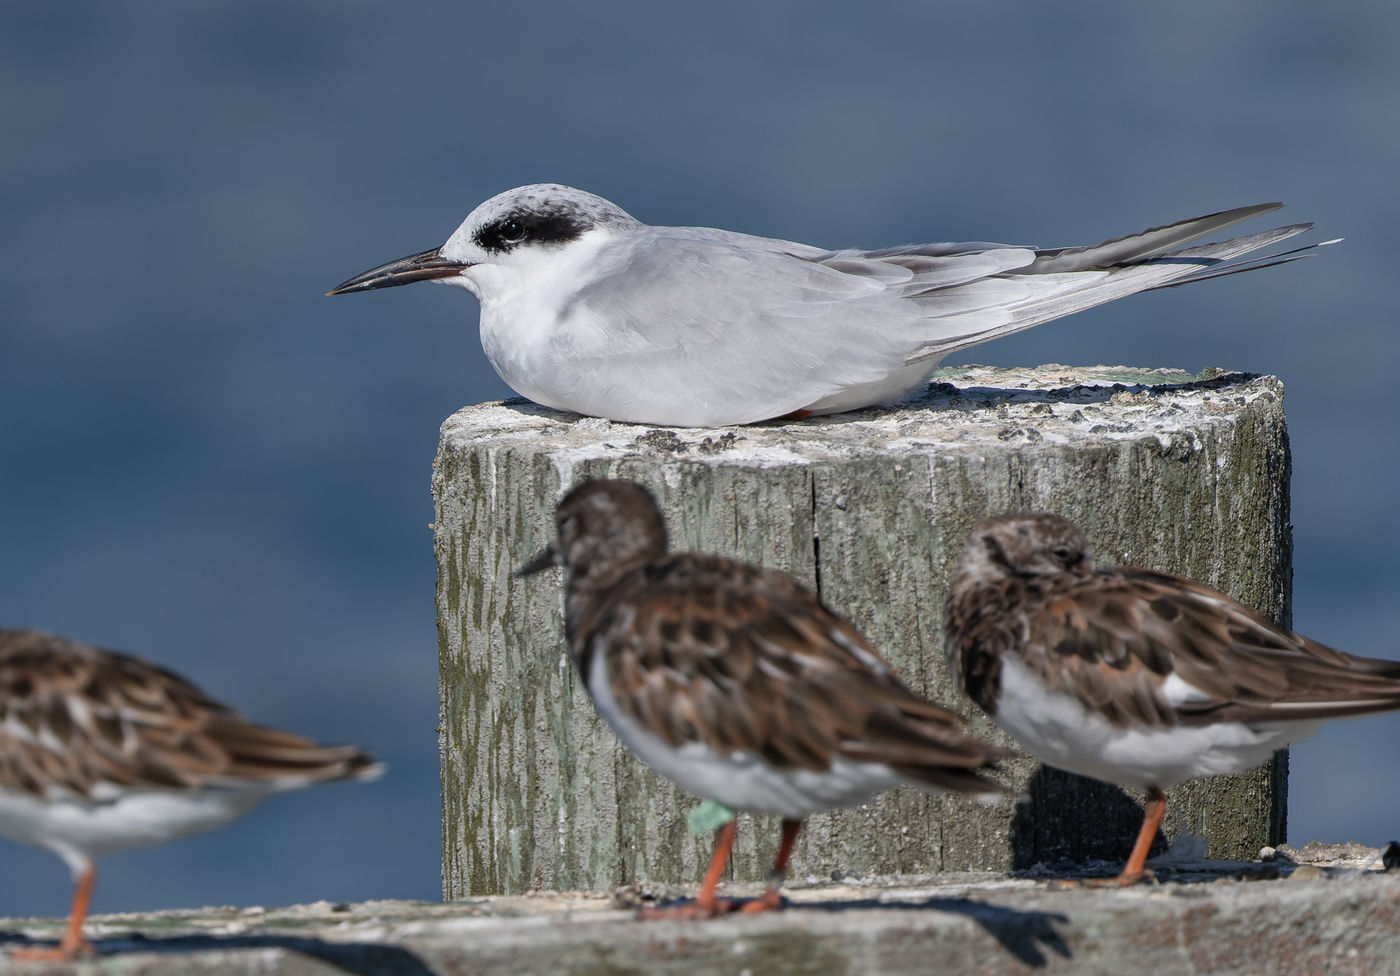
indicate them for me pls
(204, 460)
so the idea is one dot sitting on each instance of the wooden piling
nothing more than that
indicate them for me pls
(1180, 473)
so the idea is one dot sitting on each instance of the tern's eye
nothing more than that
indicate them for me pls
(539, 228)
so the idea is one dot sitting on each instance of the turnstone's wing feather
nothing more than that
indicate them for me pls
(74, 717)
(705, 649)
(1155, 649)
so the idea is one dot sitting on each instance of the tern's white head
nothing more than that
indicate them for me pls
(511, 231)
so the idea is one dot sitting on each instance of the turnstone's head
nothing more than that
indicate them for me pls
(1024, 545)
(604, 526)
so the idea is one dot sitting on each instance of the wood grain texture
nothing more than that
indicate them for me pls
(1188, 475)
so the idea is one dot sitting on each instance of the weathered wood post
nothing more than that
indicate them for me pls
(1163, 470)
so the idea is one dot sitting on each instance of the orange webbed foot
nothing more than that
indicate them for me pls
(57, 953)
(1124, 880)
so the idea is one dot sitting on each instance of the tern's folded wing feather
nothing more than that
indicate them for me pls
(919, 271)
(1053, 294)
(1152, 242)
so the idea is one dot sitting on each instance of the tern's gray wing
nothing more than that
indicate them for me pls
(729, 328)
(957, 285)
(745, 329)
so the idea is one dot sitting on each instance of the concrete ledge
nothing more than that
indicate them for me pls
(1343, 920)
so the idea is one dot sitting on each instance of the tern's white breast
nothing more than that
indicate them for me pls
(535, 332)
(741, 780)
(1059, 731)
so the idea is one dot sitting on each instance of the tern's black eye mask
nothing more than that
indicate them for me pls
(530, 227)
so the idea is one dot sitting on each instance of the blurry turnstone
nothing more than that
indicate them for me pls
(737, 682)
(1134, 677)
(101, 751)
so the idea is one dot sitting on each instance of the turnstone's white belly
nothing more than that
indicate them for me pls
(740, 780)
(78, 829)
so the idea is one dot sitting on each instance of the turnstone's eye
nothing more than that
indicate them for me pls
(1063, 554)
(512, 232)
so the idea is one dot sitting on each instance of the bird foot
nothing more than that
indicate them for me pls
(769, 901)
(1117, 881)
(57, 953)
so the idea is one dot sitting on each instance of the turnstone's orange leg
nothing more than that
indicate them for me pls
(724, 844)
(705, 904)
(1134, 871)
(73, 944)
(772, 899)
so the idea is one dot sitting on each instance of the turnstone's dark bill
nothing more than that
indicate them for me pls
(737, 682)
(101, 751)
(1134, 677)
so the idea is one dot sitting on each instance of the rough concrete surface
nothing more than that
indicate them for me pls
(1163, 469)
(1343, 919)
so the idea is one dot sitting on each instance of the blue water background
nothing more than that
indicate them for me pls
(204, 460)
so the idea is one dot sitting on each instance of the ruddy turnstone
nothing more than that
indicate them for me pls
(586, 308)
(737, 682)
(1134, 677)
(101, 751)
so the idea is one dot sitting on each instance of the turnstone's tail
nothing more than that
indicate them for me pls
(284, 760)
